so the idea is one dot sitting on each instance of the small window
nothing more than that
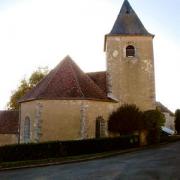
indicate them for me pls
(130, 51)
(100, 127)
(27, 130)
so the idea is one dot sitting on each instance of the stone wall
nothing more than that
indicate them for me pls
(63, 119)
(131, 79)
(28, 109)
(169, 121)
(7, 139)
(95, 109)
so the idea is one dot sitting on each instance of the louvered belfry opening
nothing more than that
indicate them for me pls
(130, 51)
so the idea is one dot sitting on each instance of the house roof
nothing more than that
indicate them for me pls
(128, 23)
(163, 108)
(9, 122)
(67, 81)
(99, 78)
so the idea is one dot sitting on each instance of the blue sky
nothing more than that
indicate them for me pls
(38, 33)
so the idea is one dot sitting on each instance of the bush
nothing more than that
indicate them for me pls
(128, 118)
(125, 120)
(153, 121)
(23, 152)
(177, 121)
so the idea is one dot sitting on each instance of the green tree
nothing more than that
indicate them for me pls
(153, 121)
(25, 86)
(125, 120)
(177, 121)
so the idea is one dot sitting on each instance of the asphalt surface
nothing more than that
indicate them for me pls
(157, 163)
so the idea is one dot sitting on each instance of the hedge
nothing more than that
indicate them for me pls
(23, 152)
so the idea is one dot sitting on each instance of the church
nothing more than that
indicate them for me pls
(69, 104)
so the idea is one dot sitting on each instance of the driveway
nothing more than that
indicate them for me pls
(157, 163)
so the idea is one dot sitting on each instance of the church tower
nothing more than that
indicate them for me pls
(130, 61)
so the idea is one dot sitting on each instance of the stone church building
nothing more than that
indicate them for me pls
(66, 104)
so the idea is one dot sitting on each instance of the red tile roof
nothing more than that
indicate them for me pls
(99, 78)
(68, 81)
(9, 122)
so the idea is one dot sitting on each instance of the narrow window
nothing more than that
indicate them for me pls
(130, 51)
(100, 127)
(27, 130)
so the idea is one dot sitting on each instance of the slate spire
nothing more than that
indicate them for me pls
(128, 23)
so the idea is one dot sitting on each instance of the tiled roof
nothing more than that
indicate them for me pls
(163, 108)
(128, 23)
(9, 122)
(99, 78)
(66, 81)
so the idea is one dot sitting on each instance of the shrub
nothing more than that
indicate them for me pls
(177, 121)
(125, 120)
(153, 120)
(23, 152)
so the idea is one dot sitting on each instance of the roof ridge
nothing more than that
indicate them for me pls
(97, 86)
(86, 76)
(49, 81)
(96, 72)
(10, 110)
(76, 79)
(54, 72)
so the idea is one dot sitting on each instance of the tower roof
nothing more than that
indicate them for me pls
(128, 23)
(66, 81)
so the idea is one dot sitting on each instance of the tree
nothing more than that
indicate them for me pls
(125, 120)
(177, 121)
(153, 121)
(25, 86)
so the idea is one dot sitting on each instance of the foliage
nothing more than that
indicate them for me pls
(177, 121)
(37, 75)
(57, 149)
(128, 118)
(25, 86)
(153, 121)
(125, 120)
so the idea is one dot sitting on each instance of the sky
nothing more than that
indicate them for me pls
(40, 33)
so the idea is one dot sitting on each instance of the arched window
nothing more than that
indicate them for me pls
(27, 129)
(130, 51)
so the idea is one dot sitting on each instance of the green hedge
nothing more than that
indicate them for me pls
(23, 152)
(172, 138)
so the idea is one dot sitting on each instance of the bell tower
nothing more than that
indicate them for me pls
(130, 61)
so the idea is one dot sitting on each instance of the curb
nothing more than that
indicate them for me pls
(89, 158)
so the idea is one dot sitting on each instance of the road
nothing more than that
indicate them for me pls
(157, 163)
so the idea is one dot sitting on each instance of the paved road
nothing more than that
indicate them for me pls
(160, 163)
